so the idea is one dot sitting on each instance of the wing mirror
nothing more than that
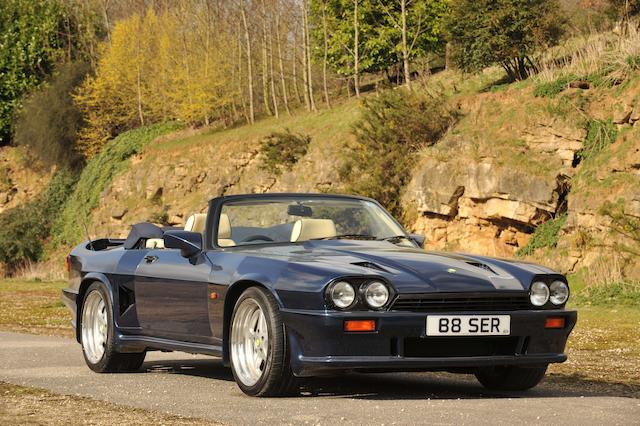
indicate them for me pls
(189, 243)
(418, 239)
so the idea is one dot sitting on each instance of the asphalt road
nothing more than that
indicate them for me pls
(200, 386)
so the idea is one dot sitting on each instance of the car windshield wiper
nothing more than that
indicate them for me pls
(395, 238)
(348, 237)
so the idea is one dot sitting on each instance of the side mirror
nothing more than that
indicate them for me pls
(189, 243)
(418, 239)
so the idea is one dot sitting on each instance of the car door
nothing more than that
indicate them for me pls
(172, 296)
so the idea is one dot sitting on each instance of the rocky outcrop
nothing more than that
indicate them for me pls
(20, 180)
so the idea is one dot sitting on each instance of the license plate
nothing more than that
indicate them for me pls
(468, 325)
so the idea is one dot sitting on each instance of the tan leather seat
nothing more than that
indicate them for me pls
(196, 223)
(224, 232)
(154, 243)
(308, 229)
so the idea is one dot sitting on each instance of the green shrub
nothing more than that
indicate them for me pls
(391, 130)
(25, 229)
(50, 120)
(600, 134)
(545, 236)
(281, 150)
(552, 88)
(97, 176)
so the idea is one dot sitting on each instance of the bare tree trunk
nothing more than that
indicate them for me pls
(239, 77)
(405, 47)
(307, 46)
(139, 81)
(272, 80)
(285, 97)
(252, 115)
(326, 54)
(265, 65)
(356, 42)
(295, 66)
(305, 75)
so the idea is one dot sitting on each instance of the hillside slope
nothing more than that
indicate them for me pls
(512, 162)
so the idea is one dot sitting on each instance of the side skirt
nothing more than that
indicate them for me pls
(129, 344)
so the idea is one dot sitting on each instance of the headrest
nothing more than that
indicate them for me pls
(224, 227)
(308, 229)
(154, 243)
(196, 223)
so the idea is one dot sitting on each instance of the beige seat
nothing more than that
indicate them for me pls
(308, 229)
(196, 223)
(224, 232)
(154, 243)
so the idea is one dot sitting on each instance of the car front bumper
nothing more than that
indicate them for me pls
(320, 346)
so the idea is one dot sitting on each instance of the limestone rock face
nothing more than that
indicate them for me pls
(181, 181)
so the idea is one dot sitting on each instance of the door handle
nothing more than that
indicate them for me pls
(150, 258)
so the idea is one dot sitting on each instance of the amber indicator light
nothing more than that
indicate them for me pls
(554, 322)
(359, 325)
(66, 263)
(213, 295)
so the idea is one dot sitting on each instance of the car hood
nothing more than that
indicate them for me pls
(410, 270)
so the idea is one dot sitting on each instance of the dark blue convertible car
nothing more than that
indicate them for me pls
(286, 286)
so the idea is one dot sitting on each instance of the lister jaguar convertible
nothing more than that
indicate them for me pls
(286, 286)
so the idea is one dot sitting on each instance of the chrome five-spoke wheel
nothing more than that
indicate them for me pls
(249, 342)
(94, 326)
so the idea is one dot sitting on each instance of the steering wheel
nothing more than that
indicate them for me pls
(257, 238)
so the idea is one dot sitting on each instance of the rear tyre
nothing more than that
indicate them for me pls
(510, 378)
(97, 335)
(259, 351)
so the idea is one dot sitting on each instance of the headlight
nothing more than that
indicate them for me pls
(376, 294)
(539, 294)
(559, 292)
(342, 294)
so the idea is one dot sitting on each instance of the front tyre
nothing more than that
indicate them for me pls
(510, 378)
(97, 333)
(259, 347)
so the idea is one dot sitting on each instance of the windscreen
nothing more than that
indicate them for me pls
(264, 221)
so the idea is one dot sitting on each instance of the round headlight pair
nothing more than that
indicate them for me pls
(557, 293)
(343, 295)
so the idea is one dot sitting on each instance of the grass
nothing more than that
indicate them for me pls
(34, 307)
(604, 346)
(22, 405)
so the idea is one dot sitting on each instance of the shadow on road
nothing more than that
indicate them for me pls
(408, 385)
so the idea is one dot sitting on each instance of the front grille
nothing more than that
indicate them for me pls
(441, 347)
(460, 302)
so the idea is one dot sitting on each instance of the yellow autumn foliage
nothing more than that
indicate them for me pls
(164, 66)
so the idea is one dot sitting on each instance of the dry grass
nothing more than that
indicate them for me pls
(34, 307)
(584, 56)
(604, 347)
(29, 406)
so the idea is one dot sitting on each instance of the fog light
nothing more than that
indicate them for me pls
(359, 325)
(554, 322)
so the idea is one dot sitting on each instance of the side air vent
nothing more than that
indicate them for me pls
(370, 265)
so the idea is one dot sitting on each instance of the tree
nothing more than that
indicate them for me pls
(49, 120)
(167, 66)
(414, 28)
(35, 35)
(505, 32)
